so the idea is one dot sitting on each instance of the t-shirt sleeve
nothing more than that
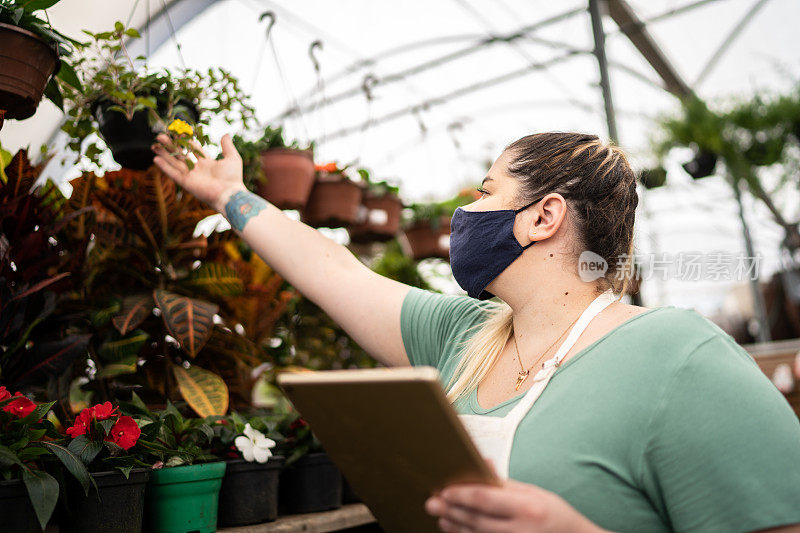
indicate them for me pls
(429, 320)
(723, 452)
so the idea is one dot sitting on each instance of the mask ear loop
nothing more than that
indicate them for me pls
(523, 209)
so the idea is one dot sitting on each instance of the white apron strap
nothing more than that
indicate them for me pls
(543, 375)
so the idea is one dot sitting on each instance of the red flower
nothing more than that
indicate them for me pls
(297, 424)
(104, 411)
(20, 407)
(125, 433)
(82, 423)
(329, 167)
(4, 394)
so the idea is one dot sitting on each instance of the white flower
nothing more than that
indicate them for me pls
(254, 445)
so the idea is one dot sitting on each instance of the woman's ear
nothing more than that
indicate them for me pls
(547, 217)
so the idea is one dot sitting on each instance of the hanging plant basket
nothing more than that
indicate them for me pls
(289, 174)
(426, 239)
(653, 177)
(334, 201)
(184, 498)
(249, 493)
(117, 504)
(379, 219)
(130, 140)
(16, 509)
(26, 65)
(702, 165)
(312, 484)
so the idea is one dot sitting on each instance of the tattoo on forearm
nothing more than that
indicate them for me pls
(242, 206)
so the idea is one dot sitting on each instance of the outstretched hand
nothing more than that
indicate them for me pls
(211, 180)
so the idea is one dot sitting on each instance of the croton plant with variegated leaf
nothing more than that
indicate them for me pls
(167, 306)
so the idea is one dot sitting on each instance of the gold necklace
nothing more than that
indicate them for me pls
(523, 373)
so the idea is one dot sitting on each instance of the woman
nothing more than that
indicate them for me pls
(644, 419)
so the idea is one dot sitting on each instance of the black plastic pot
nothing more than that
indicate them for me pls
(117, 505)
(249, 493)
(312, 484)
(348, 494)
(702, 165)
(16, 510)
(130, 140)
(653, 177)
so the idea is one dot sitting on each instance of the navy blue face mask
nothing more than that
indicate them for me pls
(482, 245)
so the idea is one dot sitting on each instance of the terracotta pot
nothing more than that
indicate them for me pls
(379, 219)
(421, 240)
(289, 177)
(26, 64)
(334, 202)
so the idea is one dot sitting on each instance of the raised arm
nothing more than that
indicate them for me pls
(367, 305)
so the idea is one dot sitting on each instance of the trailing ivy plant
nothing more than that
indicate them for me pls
(108, 75)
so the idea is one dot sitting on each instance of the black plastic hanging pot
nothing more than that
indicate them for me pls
(310, 485)
(249, 493)
(130, 140)
(117, 504)
(702, 165)
(653, 177)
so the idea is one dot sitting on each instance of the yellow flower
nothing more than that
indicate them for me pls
(180, 127)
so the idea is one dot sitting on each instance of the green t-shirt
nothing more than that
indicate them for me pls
(664, 423)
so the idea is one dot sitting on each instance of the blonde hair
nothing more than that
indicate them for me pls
(600, 187)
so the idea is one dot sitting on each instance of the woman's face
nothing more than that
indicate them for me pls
(499, 189)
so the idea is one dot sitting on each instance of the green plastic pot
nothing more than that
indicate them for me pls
(184, 499)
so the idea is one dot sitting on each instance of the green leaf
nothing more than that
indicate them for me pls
(107, 425)
(72, 463)
(53, 93)
(8, 458)
(85, 449)
(130, 32)
(68, 75)
(35, 5)
(43, 492)
(37, 413)
(118, 26)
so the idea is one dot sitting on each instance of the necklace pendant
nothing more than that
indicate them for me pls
(523, 375)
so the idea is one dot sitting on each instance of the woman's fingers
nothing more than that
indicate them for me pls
(471, 519)
(170, 159)
(228, 149)
(170, 171)
(197, 148)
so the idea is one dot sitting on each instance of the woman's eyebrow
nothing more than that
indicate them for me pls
(487, 178)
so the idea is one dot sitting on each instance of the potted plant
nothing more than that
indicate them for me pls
(163, 304)
(252, 470)
(310, 482)
(127, 106)
(28, 449)
(105, 441)
(41, 337)
(427, 232)
(29, 57)
(183, 490)
(380, 212)
(335, 198)
(280, 173)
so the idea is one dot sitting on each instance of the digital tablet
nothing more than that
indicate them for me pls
(393, 434)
